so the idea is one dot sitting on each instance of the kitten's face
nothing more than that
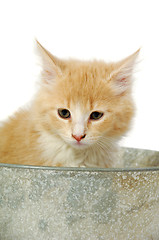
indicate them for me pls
(84, 103)
(78, 126)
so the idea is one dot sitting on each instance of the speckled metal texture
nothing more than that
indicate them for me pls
(38, 203)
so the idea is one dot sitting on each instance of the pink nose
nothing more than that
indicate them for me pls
(78, 138)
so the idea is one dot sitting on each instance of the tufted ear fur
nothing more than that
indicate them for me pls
(50, 70)
(121, 75)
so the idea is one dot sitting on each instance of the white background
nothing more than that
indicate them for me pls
(85, 29)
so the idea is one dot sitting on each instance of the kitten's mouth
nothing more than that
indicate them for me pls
(79, 145)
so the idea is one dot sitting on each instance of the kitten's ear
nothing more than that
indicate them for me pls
(50, 71)
(121, 75)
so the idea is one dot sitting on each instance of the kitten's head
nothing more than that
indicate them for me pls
(84, 102)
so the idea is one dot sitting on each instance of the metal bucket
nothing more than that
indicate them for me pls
(46, 203)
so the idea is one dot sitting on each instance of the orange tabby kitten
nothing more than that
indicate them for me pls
(76, 118)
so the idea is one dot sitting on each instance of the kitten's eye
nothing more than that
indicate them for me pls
(64, 113)
(96, 115)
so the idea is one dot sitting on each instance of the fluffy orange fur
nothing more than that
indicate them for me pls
(39, 136)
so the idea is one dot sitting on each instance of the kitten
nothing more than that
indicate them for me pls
(78, 115)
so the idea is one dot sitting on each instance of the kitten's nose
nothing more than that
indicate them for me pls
(78, 138)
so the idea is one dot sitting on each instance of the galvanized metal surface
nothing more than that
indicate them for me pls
(79, 204)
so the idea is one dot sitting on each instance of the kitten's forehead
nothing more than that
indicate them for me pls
(82, 111)
(86, 90)
(85, 84)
